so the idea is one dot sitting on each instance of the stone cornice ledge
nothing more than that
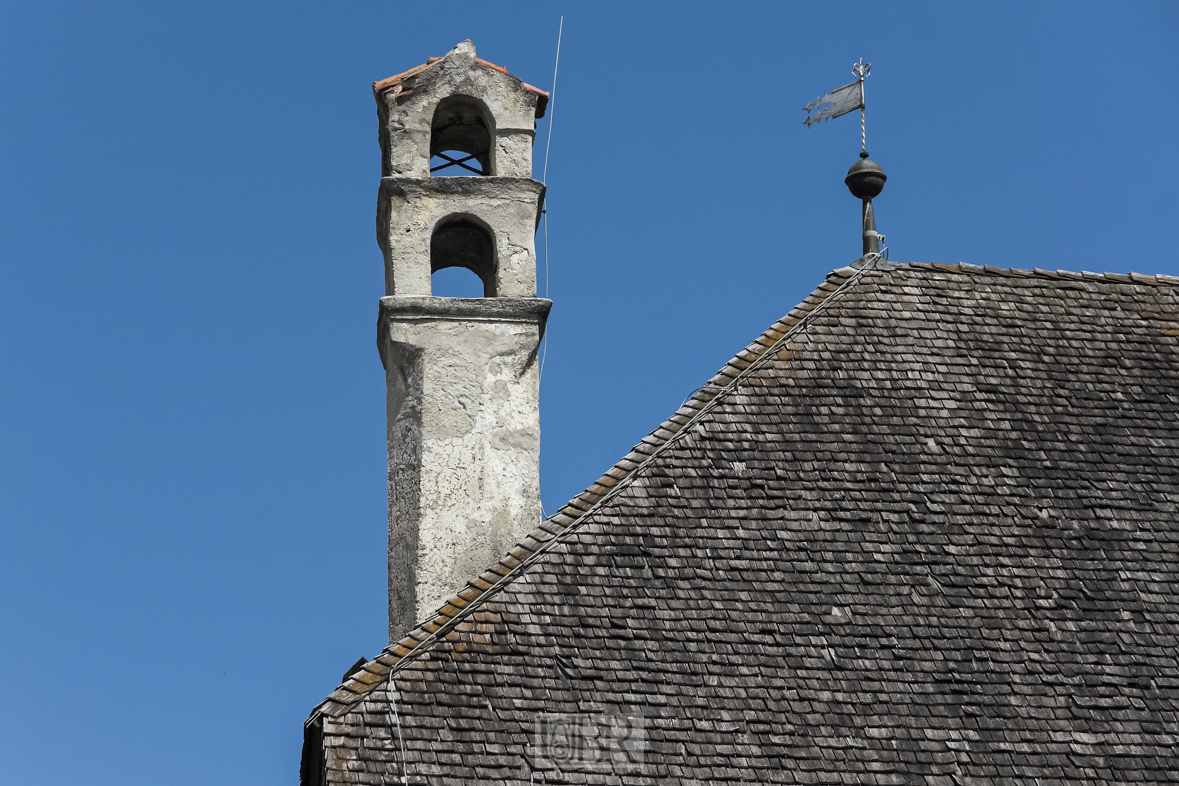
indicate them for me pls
(494, 309)
(487, 185)
(426, 308)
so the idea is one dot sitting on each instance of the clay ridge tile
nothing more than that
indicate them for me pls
(389, 83)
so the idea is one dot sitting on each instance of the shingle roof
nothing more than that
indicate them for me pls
(925, 529)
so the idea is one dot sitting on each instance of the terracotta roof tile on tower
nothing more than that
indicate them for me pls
(405, 77)
(925, 529)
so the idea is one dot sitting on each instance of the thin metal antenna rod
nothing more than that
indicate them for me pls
(544, 179)
(552, 104)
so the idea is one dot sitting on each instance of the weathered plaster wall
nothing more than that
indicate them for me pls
(464, 441)
(406, 115)
(409, 209)
(463, 388)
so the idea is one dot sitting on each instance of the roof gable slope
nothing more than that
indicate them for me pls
(925, 528)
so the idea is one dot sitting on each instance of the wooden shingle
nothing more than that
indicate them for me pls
(924, 530)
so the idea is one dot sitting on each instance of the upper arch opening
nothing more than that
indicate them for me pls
(461, 136)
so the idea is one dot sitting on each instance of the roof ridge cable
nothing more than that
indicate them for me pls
(397, 716)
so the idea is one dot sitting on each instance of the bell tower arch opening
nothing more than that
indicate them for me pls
(461, 136)
(464, 242)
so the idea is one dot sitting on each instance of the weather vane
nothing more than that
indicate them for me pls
(865, 179)
(842, 100)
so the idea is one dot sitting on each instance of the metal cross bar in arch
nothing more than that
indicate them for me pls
(455, 162)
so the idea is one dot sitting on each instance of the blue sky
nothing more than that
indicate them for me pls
(192, 456)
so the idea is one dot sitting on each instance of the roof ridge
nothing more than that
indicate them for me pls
(575, 512)
(391, 82)
(1015, 272)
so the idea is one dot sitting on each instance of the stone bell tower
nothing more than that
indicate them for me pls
(463, 388)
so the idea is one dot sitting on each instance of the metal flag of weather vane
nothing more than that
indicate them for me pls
(865, 179)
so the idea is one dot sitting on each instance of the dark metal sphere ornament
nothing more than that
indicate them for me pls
(865, 179)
